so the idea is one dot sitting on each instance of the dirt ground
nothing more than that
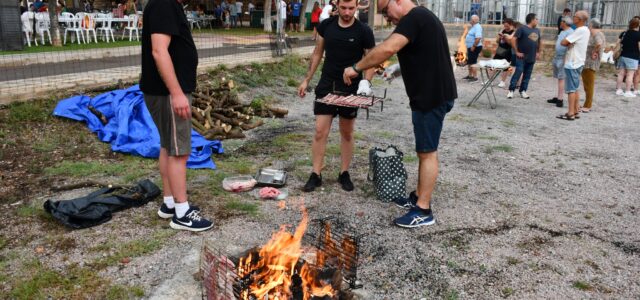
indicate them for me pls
(527, 205)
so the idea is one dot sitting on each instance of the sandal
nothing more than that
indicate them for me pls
(576, 116)
(585, 110)
(567, 117)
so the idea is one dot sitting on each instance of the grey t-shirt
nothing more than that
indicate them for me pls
(527, 40)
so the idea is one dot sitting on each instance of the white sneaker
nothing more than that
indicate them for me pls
(501, 84)
(619, 92)
(637, 92)
(630, 94)
(524, 95)
(510, 95)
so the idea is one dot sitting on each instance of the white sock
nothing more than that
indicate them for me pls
(181, 209)
(169, 202)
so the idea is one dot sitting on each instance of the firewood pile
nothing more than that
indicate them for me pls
(217, 112)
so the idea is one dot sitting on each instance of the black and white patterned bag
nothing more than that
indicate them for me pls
(387, 172)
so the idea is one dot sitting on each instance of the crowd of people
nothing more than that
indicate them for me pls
(580, 49)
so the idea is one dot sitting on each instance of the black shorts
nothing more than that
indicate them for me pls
(334, 110)
(295, 19)
(314, 25)
(472, 56)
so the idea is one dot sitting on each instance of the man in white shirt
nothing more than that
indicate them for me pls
(577, 43)
(283, 15)
(326, 12)
(239, 5)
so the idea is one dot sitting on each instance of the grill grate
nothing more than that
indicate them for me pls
(336, 245)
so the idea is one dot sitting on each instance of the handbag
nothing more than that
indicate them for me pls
(387, 172)
(618, 52)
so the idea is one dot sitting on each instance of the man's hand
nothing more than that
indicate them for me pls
(391, 72)
(520, 55)
(349, 73)
(181, 106)
(364, 88)
(538, 55)
(473, 48)
(302, 88)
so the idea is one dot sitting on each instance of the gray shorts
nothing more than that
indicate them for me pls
(175, 132)
(558, 67)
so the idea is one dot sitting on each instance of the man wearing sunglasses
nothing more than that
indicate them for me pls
(421, 44)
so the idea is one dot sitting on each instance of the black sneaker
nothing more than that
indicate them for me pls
(314, 181)
(472, 79)
(467, 77)
(560, 103)
(407, 203)
(191, 221)
(554, 100)
(166, 213)
(345, 181)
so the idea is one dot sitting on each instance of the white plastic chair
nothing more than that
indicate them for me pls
(27, 26)
(89, 25)
(132, 25)
(105, 29)
(73, 25)
(42, 26)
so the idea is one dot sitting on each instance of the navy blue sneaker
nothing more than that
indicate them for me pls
(407, 203)
(166, 213)
(415, 218)
(191, 221)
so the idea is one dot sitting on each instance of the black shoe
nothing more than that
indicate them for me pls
(192, 221)
(345, 181)
(554, 100)
(472, 79)
(314, 181)
(467, 77)
(407, 203)
(560, 103)
(166, 213)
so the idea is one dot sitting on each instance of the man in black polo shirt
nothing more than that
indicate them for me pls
(423, 52)
(345, 40)
(169, 62)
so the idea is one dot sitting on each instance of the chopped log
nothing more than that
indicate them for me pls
(88, 183)
(226, 127)
(214, 132)
(279, 112)
(98, 114)
(225, 119)
(235, 133)
(198, 126)
(252, 125)
(195, 113)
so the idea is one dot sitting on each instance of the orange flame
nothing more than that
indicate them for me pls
(461, 54)
(276, 265)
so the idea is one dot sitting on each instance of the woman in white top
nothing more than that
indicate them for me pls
(326, 12)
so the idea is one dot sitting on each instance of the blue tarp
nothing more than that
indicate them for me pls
(130, 128)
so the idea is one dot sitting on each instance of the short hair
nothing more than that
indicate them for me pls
(476, 17)
(566, 10)
(583, 15)
(634, 23)
(508, 21)
(595, 23)
(530, 17)
(568, 20)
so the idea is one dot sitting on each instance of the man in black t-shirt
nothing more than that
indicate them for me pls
(421, 43)
(169, 62)
(346, 40)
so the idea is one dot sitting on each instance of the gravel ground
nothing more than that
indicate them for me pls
(527, 205)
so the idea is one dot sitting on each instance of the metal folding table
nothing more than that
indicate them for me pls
(487, 85)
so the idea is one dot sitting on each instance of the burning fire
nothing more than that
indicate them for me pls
(461, 54)
(277, 272)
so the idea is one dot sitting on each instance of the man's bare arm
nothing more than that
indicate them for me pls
(316, 57)
(160, 52)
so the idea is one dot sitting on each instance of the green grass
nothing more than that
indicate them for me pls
(243, 207)
(452, 294)
(31, 111)
(134, 248)
(3, 242)
(27, 211)
(410, 158)
(384, 134)
(237, 165)
(72, 47)
(508, 123)
(506, 292)
(85, 169)
(513, 261)
(498, 148)
(488, 137)
(581, 285)
(44, 283)
(117, 292)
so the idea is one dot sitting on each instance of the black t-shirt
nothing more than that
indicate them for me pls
(343, 48)
(167, 17)
(503, 42)
(630, 44)
(528, 39)
(425, 62)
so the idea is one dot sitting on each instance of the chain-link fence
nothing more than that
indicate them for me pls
(102, 48)
(614, 14)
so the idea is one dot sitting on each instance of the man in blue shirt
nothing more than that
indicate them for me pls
(295, 15)
(473, 41)
(526, 44)
(558, 60)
